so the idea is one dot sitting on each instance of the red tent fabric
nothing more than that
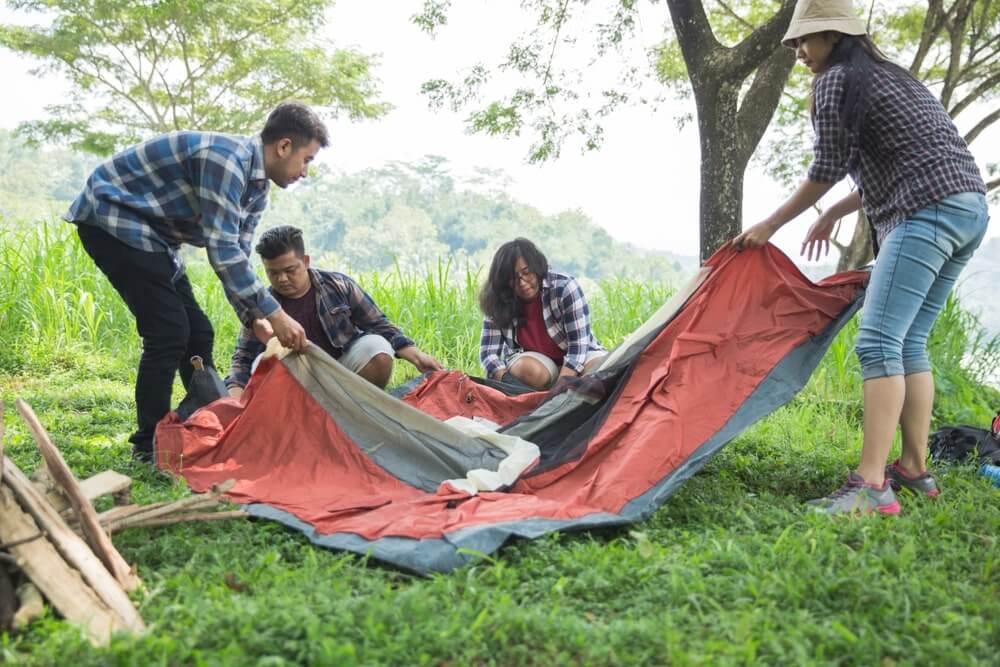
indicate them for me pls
(724, 358)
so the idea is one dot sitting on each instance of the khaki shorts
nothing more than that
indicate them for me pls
(592, 356)
(358, 353)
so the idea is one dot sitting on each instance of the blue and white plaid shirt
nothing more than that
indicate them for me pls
(205, 189)
(567, 320)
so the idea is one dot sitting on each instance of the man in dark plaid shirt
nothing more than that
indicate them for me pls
(206, 190)
(335, 312)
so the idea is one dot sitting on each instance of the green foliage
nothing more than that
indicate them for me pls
(730, 571)
(408, 215)
(964, 73)
(139, 68)
(548, 99)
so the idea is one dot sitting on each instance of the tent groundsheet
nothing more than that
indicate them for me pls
(318, 449)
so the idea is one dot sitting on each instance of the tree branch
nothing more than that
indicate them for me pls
(985, 86)
(934, 21)
(758, 45)
(956, 30)
(987, 120)
(760, 101)
(742, 21)
(695, 36)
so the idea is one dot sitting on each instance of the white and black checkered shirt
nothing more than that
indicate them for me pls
(567, 321)
(908, 156)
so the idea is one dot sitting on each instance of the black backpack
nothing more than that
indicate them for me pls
(959, 443)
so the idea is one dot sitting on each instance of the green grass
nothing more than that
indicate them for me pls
(730, 571)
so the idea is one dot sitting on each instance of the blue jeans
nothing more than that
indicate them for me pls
(917, 266)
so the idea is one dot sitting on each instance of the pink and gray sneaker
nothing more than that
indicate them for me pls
(924, 484)
(857, 496)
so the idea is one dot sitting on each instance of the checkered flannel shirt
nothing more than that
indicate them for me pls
(567, 320)
(908, 156)
(205, 189)
(346, 313)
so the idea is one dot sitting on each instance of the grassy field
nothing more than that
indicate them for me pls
(731, 570)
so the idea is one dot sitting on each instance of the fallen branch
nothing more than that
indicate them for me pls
(188, 516)
(148, 512)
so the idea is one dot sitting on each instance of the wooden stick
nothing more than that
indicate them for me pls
(73, 549)
(85, 513)
(102, 484)
(200, 500)
(122, 511)
(31, 607)
(117, 518)
(189, 516)
(58, 580)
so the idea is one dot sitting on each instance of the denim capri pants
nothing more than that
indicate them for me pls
(917, 266)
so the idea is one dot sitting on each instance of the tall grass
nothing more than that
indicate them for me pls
(730, 571)
(55, 303)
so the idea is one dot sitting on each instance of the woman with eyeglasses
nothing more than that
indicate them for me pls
(537, 323)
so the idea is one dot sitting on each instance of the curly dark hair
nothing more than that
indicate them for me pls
(497, 298)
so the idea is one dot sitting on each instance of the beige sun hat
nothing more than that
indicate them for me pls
(812, 16)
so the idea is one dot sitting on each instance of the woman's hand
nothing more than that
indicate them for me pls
(818, 237)
(756, 236)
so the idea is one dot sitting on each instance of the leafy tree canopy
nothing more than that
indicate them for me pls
(140, 68)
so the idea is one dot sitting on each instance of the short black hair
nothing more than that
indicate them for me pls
(497, 299)
(277, 241)
(295, 121)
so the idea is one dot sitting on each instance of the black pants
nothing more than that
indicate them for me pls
(172, 326)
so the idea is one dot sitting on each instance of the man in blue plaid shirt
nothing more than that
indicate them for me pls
(207, 190)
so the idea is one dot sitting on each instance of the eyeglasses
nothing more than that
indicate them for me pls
(526, 276)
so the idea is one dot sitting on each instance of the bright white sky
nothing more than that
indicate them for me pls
(642, 186)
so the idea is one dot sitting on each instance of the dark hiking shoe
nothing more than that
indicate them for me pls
(856, 496)
(143, 453)
(924, 484)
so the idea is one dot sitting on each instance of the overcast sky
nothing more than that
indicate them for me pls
(642, 186)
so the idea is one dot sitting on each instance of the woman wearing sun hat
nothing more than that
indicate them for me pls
(924, 197)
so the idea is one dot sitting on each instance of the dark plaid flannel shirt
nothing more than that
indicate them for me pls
(567, 320)
(909, 154)
(346, 313)
(201, 188)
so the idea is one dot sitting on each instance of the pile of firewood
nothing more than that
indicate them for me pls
(55, 546)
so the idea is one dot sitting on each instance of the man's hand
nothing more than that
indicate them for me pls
(262, 330)
(236, 392)
(289, 332)
(499, 373)
(423, 361)
(566, 371)
(755, 237)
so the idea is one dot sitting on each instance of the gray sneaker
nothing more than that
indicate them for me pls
(856, 496)
(924, 484)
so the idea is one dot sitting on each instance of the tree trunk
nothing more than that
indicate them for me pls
(859, 251)
(722, 169)
(729, 128)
